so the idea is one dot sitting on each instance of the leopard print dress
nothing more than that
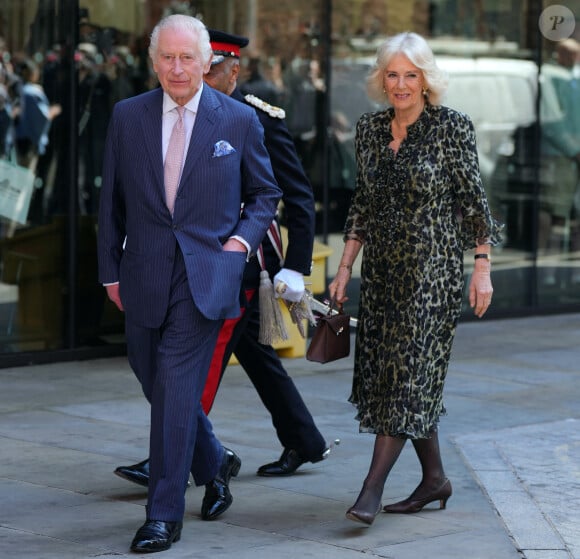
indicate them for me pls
(415, 211)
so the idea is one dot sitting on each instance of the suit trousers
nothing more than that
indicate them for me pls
(171, 363)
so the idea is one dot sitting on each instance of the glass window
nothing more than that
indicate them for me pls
(33, 231)
(558, 238)
(63, 65)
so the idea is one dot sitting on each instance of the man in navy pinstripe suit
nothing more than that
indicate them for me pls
(177, 275)
(300, 438)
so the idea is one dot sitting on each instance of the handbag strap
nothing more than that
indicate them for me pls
(332, 304)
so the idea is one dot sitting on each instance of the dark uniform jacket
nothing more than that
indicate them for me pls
(297, 196)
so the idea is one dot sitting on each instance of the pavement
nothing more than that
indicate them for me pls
(510, 444)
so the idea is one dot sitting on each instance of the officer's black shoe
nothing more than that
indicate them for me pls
(288, 463)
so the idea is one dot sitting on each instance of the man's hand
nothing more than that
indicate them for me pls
(113, 293)
(289, 285)
(233, 245)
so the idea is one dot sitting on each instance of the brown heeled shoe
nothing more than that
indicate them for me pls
(363, 516)
(412, 504)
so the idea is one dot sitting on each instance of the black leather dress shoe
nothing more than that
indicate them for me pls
(288, 463)
(156, 535)
(137, 473)
(217, 498)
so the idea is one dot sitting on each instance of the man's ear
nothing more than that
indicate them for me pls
(235, 72)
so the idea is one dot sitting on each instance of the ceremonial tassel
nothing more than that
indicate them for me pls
(272, 327)
(300, 311)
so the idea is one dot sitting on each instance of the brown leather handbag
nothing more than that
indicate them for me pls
(331, 338)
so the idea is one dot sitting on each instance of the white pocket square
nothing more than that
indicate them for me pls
(222, 148)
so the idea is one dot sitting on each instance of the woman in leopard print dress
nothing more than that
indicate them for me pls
(418, 204)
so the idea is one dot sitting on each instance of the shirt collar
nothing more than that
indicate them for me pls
(192, 105)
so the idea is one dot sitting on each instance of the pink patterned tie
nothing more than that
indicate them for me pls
(174, 159)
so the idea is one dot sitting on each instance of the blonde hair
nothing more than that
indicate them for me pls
(416, 49)
(183, 23)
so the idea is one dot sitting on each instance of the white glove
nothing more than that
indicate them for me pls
(289, 285)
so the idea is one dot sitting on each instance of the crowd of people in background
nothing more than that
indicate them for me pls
(32, 130)
(31, 101)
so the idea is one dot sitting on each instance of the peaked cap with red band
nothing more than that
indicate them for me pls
(225, 45)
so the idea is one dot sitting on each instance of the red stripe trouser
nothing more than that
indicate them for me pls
(221, 356)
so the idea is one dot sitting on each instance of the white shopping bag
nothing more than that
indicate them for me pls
(16, 184)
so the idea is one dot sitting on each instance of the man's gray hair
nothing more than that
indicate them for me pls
(183, 23)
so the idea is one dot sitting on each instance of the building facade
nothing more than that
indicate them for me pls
(65, 63)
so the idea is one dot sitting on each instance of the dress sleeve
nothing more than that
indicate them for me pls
(355, 226)
(477, 224)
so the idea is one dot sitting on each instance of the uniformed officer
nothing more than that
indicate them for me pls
(300, 438)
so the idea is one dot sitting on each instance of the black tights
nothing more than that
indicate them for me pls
(432, 468)
(386, 451)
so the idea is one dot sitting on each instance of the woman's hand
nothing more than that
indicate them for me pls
(480, 289)
(337, 287)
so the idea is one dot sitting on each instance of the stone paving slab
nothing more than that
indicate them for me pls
(532, 476)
